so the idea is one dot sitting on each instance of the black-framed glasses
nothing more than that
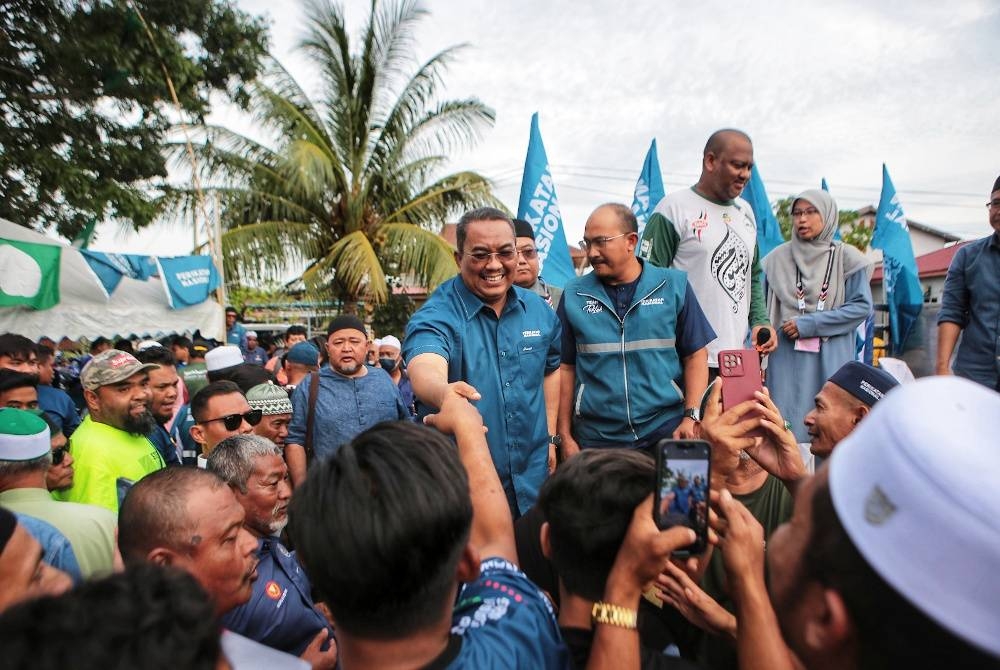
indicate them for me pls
(993, 204)
(809, 211)
(484, 256)
(234, 421)
(528, 253)
(59, 455)
(598, 242)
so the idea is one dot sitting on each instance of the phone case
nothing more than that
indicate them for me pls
(741, 370)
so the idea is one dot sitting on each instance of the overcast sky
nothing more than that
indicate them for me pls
(830, 91)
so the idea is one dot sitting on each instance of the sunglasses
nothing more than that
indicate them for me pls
(59, 455)
(234, 421)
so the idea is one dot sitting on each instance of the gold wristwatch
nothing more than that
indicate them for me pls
(614, 615)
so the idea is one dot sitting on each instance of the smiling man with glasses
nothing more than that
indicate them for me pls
(970, 306)
(481, 337)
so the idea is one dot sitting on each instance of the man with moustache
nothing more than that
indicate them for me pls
(633, 345)
(164, 396)
(349, 397)
(970, 307)
(482, 338)
(110, 447)
(280, 612)
(711, 233)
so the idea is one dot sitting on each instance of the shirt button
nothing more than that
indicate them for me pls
(503, 353)
(507, 384)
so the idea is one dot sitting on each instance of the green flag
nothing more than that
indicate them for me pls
(29, 274)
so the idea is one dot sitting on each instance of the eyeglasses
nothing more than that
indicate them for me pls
(528, 253)
(484, 256)
(993, 204)
(598, 242)
(796, 213)
(59, 455)
(234, 421)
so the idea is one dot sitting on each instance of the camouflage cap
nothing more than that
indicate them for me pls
(111, 367)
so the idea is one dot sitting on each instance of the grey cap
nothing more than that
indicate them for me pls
(111, 367)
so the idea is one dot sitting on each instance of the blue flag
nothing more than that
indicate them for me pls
(188, 280)
(768, 230)
(539, 206)
(823, 185)
(110, 268)
(648, 190)
(899, 267)
(836, 231)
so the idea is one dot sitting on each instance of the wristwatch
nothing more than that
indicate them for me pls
(692, 413)
(556, 440)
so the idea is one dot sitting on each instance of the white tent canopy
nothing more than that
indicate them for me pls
(135, 309)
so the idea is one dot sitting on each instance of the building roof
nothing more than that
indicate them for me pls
(933, 264)
(868, 210)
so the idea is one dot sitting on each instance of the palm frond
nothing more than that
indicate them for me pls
(353, 264)
(418, 253)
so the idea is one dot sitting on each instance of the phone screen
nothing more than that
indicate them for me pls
(683, 468)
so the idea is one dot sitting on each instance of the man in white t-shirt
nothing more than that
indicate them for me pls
(710, 232)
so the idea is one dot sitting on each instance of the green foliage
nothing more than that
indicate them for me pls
(240, 296)
(390, 318)
(852, 230)
(85, 102)
(345, 188)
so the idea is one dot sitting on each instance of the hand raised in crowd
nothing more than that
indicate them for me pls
(777, 451)
(676, 588)
(456, 413)
(727, 431)
(772, 341)
(316, 657)
(741, 538)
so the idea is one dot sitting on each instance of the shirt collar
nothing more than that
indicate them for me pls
(473, 304)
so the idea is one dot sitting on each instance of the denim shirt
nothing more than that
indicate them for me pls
(56, 549)
(506, 359)
(971, 299)
(345, 406)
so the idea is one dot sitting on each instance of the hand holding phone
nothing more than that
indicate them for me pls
(683, 471)
(741, 379)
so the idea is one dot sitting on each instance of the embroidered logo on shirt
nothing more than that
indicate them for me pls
(699, 224)
(491, 609)
(273, 590)
(592, 307)
(531, 333)
(652, 301)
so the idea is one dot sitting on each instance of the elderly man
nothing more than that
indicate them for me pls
(867, 540)
(711, 233)
(110, 447)
(25, 457)
(220, 410)
(391, 359)
(254, 353)
(526, 275)
(970, 306)
(280, 612)
(187, 518)
(275, 409)
(23, 574)
(481, 337)
(633, 345)
(341, 400)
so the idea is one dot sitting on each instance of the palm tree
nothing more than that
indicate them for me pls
(344, 185)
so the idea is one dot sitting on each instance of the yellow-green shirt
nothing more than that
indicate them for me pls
(102, 455)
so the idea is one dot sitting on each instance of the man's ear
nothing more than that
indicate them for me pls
(197, 433)
(162, 557)
(92, 399)
(860, 412)
(546, 541)
(468, 565)
(458, 258)
(828, 625)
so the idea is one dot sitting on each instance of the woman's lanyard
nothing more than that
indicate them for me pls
(800, 291)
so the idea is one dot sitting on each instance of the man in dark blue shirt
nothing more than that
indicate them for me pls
(970, 306)
(482, 338)
(280, 612)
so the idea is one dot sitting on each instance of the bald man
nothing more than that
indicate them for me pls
(711, 233)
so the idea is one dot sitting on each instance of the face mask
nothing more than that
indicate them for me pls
(388, 364)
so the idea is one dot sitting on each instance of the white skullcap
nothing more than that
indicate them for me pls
(390, 341)
(223, 357)
(915, 486)
(148, 344)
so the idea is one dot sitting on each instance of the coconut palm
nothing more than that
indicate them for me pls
(345, 184)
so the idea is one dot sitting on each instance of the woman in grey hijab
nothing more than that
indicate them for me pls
(817, 295)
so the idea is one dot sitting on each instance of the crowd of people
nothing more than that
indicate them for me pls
(480, 492)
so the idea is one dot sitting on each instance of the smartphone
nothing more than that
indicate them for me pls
(740, 369)
(683, 468)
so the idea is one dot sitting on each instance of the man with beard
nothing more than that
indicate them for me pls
(164, 396)
(110, 446)
(341, 400)
(280, 612)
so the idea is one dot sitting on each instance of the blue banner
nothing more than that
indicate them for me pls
(110, 268)
(899, 267)
(188, 280)
(836, 231)
(768, 230)
(539, 206)
(648, 190)
(823, 185)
